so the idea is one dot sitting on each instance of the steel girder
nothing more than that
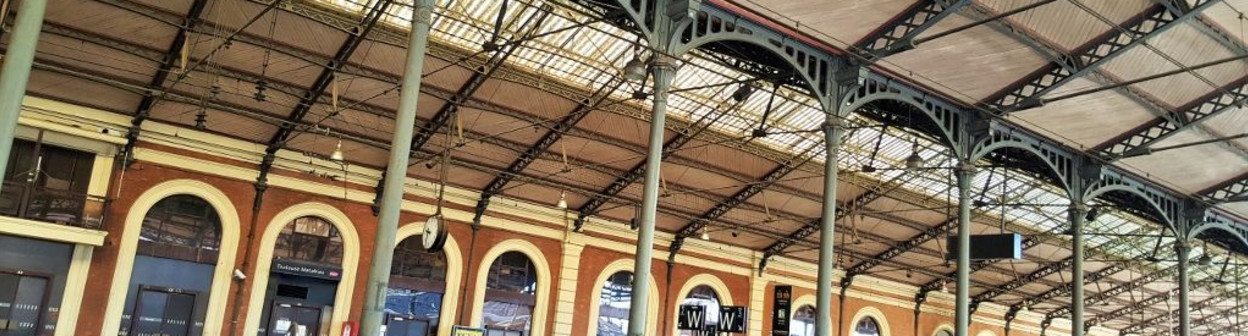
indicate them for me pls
(1089, 57)
(813, 226)
(1155, 321)
(543, 144)
(677, 141)
(1138, 140)
(742, 196)
(1065, 289)
(170, 59)
(899, 33)
(313, 95)
(923, 237)
(1035, 275)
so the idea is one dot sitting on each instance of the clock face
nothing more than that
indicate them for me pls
(433, 235)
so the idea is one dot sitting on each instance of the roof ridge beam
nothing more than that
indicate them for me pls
(1089, 57)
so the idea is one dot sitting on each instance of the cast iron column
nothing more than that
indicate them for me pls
(1185, 308)
(1077, 214)
(16, 71)
(396, 172)
(965, 173)
(832, 129)
(664, 69)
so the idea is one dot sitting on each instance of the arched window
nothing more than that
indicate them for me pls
(311, 239)
(510, 295)
(417, 285)
(867, 326)
(181, 227)
(614, 305)
(944, 332)
(173, 269)
(705, 296)
(803, 323)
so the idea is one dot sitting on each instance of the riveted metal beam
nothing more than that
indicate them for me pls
(170, 59)
(543, 144)
(741, 196)
(1091, 56)
(1065, 289)
(812, 226)
(898, 34)
(1035, 275)
(1155, 322)
(314, 93)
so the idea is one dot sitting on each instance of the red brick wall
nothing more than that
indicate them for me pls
(142, 176)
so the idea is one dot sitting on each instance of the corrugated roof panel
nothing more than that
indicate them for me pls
(1065, 24)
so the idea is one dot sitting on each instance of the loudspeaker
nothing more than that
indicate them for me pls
(990, 246)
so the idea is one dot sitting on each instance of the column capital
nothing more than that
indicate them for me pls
(665, 62)
(1080, 208)
(832, 124)
(966, 167)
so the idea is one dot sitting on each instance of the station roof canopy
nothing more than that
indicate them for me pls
(527, 99)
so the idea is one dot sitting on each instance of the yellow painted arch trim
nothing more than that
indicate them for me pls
(542, 304)
(230, 224)
(652, 305)
(874, 313)
(350, 258)
(717, 285)
(454, 274)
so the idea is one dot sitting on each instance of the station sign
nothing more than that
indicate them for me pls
(782, 305)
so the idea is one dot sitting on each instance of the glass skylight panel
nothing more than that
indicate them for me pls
(592, 55)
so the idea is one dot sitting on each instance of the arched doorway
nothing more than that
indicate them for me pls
(614, 304)
(305, 271)
(417, 286)
(510, 295)
(704, 296)
(174, 264)
(803, 323)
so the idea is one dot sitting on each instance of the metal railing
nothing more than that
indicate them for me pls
(24, 200)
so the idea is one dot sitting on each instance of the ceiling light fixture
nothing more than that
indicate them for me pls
(914, 161)
(201, 120)
(1205, 259)
(706, 235)
(743, 92)
(337, 154)
(635, 69)
(563, 200)
(1093, 213)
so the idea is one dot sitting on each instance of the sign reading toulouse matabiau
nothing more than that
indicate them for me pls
(306, 269)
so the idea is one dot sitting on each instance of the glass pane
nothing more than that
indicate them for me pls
(867, 327)
(513, 272)
(310, 239)
(178, 311)
(509, 317)
(615, 303)
(705, 296)
(944, 333)
(181, 227)
(803, 323)
(150, 314)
